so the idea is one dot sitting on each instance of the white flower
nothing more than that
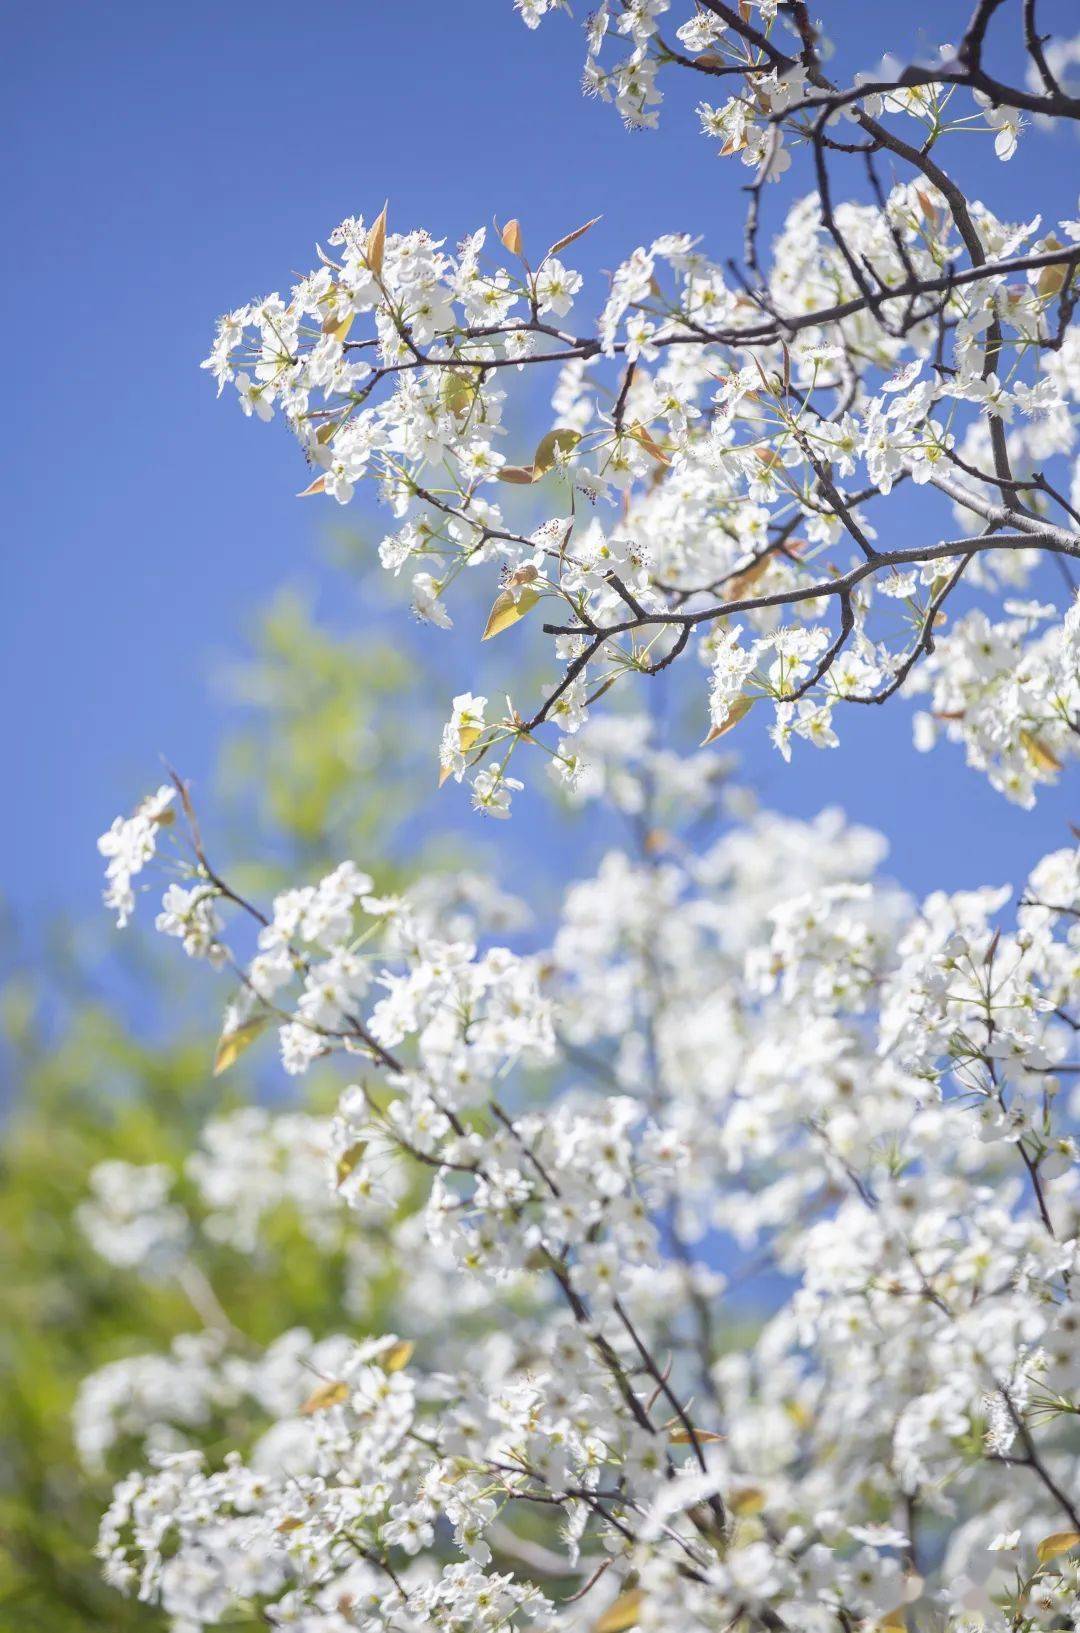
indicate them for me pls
(426, 603)
(129, 844)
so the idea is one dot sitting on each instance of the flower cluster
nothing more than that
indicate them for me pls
(723, 439)
(760, 1044)
(129, 844)
(1012, 700)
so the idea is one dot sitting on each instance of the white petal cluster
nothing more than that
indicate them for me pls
(1010, 693)
(759, 1054)
(737, 453)
(130, 1217)
(129, 844)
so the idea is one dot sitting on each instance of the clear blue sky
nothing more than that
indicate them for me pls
(164, 162)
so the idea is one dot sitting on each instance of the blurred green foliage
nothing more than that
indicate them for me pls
(317, 769)
(321, 759)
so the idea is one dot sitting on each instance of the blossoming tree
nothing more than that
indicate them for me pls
(756, 1042)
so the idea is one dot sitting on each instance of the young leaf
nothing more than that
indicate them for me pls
(737, 711)
(522, 475)
(468, 737)
(1058, 1542)
(623, 1613)
(333, 325)
(683, 1437)
(931, 213)
(506, 611)
(375, 248)
(318, 486)
(397, 1356)
(649, 443)
(1052, 279)
(562, 440)
(746, 1501)
(571, 237)
(231, 1045)
(511, 236)
(1043, 757)
(736, 587)
(457, 393)
(334, 1392)
(348, 1161)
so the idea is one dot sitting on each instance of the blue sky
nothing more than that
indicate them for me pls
(167, 162)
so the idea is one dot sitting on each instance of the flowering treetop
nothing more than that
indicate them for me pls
(728, 436)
